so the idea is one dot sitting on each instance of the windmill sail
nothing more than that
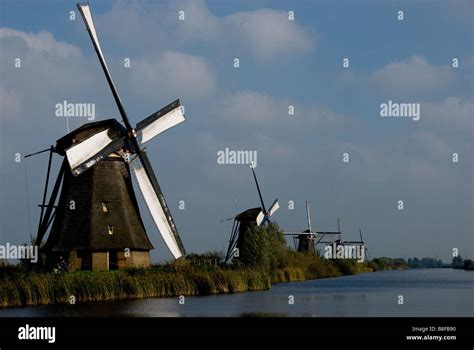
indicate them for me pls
(79, 153)
(156, 204)
(90, 143)
(260, 218)
(87, 16)
(275, 206)
(85, 154)
(103, 153)
(160, 121)
(85, 11)
(308, 216)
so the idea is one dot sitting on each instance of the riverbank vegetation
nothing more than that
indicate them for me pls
(384, 263)
(459, 263)
(266, 260)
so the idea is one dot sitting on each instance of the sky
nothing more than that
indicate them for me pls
(283, 63)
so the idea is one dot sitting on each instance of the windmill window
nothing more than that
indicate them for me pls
(110, 229)
(105, 207)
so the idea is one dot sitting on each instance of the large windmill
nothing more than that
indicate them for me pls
(244, 220)
(96, 223)
(307, 240)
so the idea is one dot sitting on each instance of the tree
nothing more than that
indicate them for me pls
(262, 247)
(457, 262)
(468, 264)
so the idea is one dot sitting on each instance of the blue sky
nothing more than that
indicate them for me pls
(282, 62)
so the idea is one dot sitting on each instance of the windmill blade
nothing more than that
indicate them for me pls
(258, 189)
(83, 155)
(156, 204)
(260, 218)
(308, 216)
(159, 122)
(360, 233)
(275, 206)
(85, 11)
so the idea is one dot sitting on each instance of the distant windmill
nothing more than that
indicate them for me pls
(361, 243)
(307, 240)
(96, 223)
(242, 221)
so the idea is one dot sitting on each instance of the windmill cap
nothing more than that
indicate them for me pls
(248, 215)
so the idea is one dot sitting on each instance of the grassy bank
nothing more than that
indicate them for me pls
(265, 260)
(23, 288)
(49, 288)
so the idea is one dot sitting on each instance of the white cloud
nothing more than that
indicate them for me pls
(259, 109)
(199, 24)
(50, 71)
(428, 145)
(53, 71)
(412, 75)
(251, 107)
(175, 74)
(268, 33)
(134, 25)
(9, 103)
(263, 33)
(40, 43)
(452, 111)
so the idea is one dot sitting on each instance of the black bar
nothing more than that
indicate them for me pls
(358, 332)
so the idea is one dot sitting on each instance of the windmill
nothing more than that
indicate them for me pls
(307, 240)
(96, 223)
(360, 243)
(250, 217)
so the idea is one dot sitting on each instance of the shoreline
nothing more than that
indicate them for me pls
(34, 289)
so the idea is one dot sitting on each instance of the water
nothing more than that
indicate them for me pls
(426, 292)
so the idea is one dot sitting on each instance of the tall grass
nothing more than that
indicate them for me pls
(22, 288)
(32, 288)
(268, 261)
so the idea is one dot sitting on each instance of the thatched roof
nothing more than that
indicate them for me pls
(107, 183)
(249, 215)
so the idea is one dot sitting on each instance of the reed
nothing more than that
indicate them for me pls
(199, 274)
(34, 288)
